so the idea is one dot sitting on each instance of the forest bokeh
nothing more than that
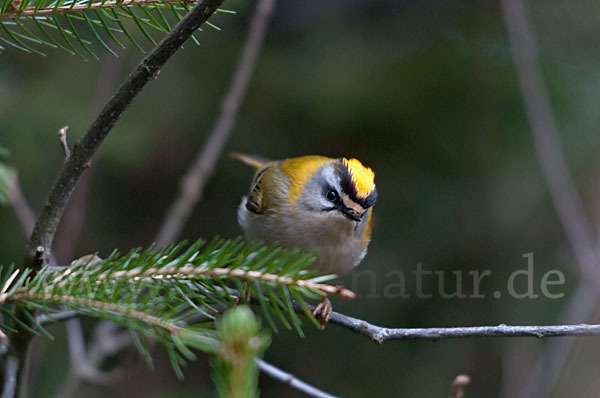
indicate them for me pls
(425, 93)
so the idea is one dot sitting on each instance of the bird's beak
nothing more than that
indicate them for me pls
(354, 212)
(351, 209)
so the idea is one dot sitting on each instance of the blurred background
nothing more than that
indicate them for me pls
(425, 93)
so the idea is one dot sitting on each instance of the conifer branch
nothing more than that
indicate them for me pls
(266, 277)
(154, 285)
(191, 273)
(24, 295)
(38, 12)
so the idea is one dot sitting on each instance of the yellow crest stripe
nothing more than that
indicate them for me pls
(363, 177)
(299, 171)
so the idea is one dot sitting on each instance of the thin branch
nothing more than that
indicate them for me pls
(14, 368)
(76, 343)
(20, 206)
(192, 185)
(85, 148)
(108, 340)
(62, 316)
(62, 137)
(78, 355)
(546, 139)
(80, 365)
(12, 365)
(22, 209)
(564, 196)
(381, 334)
(291, 380)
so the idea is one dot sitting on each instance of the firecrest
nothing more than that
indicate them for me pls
(312, 203)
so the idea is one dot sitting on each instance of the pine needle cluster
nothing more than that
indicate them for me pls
(172, 294)
(75, 26)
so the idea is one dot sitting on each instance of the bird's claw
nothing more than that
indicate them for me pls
(323, 311)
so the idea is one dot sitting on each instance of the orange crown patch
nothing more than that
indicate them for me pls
(363, 178)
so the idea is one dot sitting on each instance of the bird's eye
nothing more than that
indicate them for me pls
(332, 195)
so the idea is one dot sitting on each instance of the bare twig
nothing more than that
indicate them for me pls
(76, 343)
(195, 178)
(460, 383)
(291, 380)
(62, 137)
(547, 144)
(13, 367)
(20, 206)
(85, 148)
(566, 201)
(22, 209)
(108, 340)
(79, 358)
(11, 370)
(381, 334)
(62, 316)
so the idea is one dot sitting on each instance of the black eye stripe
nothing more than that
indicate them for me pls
(348, 187)
(368, 201)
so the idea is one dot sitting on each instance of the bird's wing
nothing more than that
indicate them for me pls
(255, 202)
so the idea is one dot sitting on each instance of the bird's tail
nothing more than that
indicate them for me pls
(251, 160)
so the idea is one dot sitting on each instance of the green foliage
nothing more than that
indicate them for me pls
(241, 341)
(171, 294)
(75, 25)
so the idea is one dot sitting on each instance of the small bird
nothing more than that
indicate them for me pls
(312, 203)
